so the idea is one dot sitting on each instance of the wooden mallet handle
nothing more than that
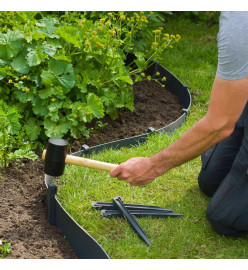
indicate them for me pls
(84, 162)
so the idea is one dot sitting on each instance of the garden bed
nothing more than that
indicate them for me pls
(23, 220)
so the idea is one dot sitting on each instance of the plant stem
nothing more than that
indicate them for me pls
(4, 147)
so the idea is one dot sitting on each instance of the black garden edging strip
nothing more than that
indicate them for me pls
(85, 246)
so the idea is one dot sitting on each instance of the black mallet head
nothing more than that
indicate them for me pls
(55, 157)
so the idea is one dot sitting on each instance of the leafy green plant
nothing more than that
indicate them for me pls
(5, 248)
(12, 146)
(144, 37)
(62, 71)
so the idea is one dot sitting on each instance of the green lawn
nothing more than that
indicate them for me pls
(193, 61)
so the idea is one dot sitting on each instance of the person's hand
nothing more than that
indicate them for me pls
(136, 171)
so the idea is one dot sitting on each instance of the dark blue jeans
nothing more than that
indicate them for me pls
(224, 178)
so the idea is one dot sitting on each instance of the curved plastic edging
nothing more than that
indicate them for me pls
(85, 246)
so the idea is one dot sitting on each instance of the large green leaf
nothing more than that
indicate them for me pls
(95, 105)
(70, 34)
(56, 129)
(10, 44)
(126, 79)
(67, 81)
(33, 129)
(47, 27)
(39, 108)
(9, 117)
(27, 15)
(59, 67)
(23, 97)
(48, 49)
(20, 63)
(60, 76)
(54, 108)
(47, 78)
(47, 92)
(35, 56)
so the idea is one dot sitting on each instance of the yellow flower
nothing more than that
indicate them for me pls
(173, 36)
(15, 84)
(178, 37)
(144, 19)
(155, 44)
(10, 81)
(75, 116)
(111, 32)
(99, 28)
(164, 79)
(167, 35)
(99, 44)
(27, 90)
(87, 43)
(157, 73)
(170, 46)
(108, 23)
(123, 17)
(53, 99)
(70, 107)
(102, 20)
(157, 31)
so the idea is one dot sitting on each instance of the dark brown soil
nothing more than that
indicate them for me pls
(154, 107)
(23, 219)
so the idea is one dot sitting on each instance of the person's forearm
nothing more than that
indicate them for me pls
(198, 139)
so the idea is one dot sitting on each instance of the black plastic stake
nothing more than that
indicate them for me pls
(112, 206)
(140, 213)
(135, 225)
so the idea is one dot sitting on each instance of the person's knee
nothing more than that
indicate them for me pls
(227, 211)
(207, 186)
(224, 227)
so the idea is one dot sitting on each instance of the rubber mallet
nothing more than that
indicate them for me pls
(56, 157)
